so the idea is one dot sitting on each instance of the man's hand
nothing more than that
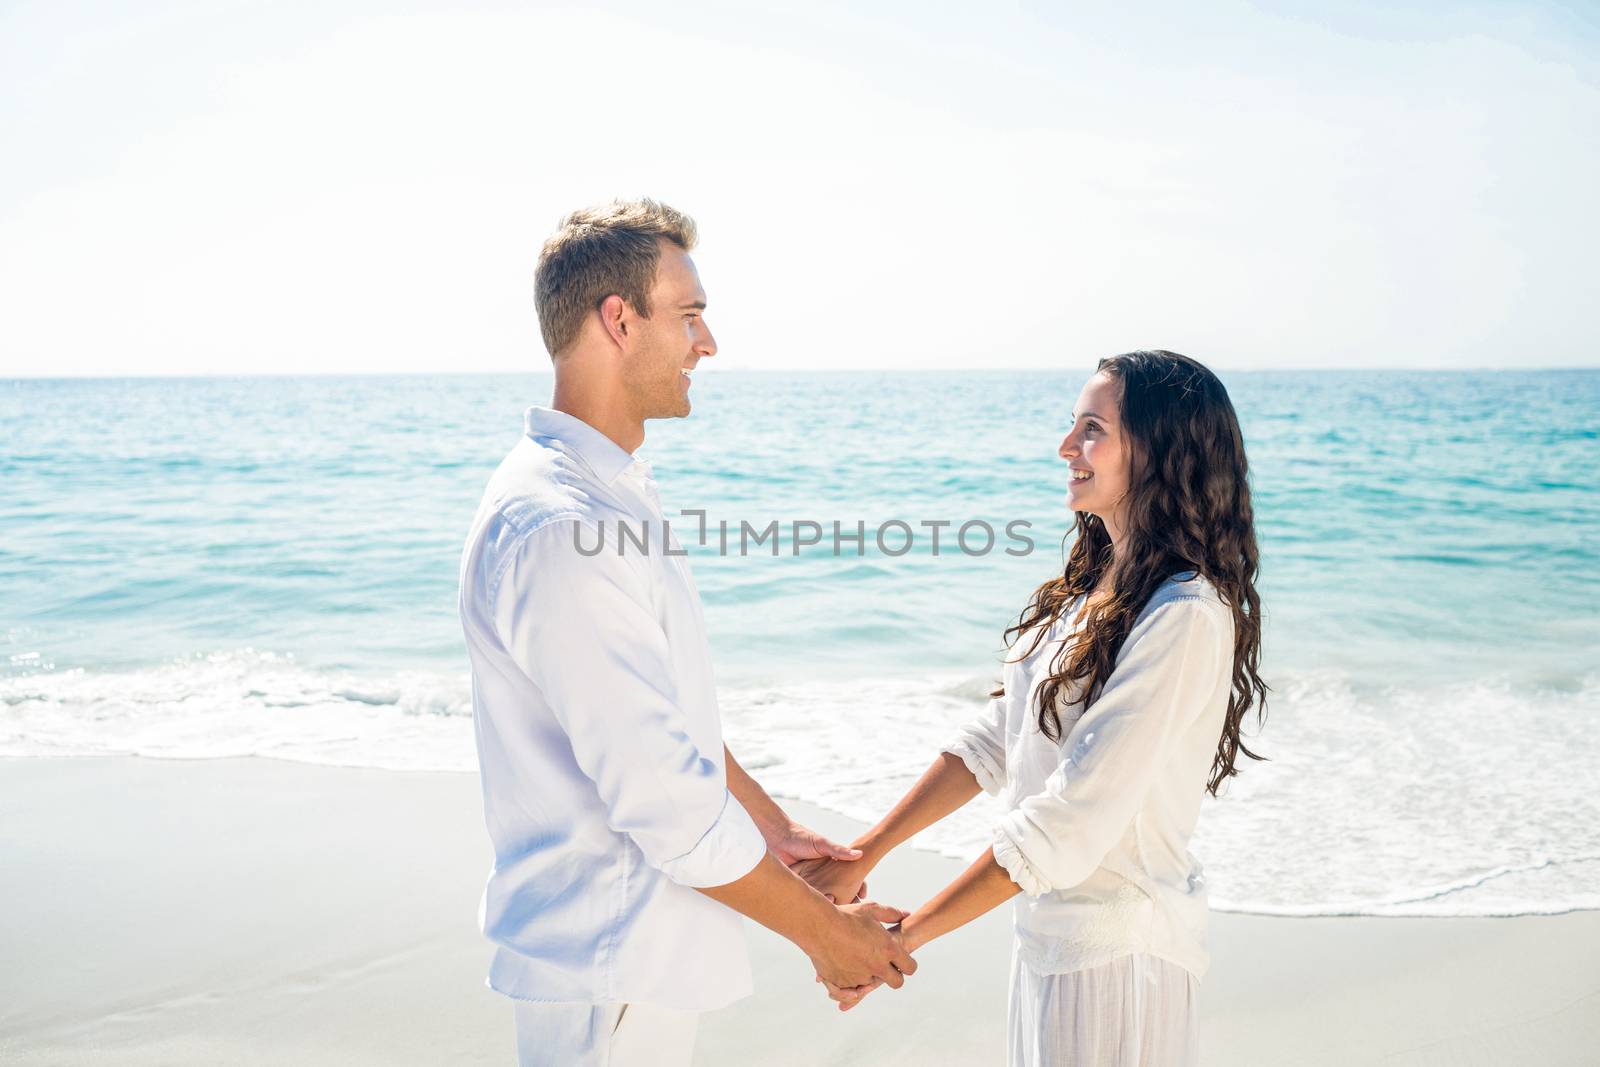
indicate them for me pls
(841, 881)
(848, 997)
(786, 839)
(793, 844)
(858, 951)
(978, 890)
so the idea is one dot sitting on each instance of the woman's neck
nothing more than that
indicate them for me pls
(1106, 584)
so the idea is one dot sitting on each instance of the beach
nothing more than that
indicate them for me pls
(252, 911)
(329, 408)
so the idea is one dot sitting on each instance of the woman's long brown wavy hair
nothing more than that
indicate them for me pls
(1188, 509)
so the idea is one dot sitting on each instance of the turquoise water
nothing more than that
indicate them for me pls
(210, 567)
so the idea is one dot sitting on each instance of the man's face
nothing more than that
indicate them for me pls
(666, 346)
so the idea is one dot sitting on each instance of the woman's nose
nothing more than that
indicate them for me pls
(1068, 449)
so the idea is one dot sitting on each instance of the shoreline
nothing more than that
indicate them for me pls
(258, 911)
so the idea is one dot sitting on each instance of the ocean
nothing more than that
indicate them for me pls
(198, 568)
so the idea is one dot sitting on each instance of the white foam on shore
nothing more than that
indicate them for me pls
(243, 703)
(1470, 799)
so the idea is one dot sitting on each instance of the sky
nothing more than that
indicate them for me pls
(247, 188)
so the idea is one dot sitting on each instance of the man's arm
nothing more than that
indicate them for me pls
(790, 841)
(584, 629)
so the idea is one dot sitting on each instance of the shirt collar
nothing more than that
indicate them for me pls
(603, 455)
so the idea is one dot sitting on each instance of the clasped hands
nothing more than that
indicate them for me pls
(871, 954)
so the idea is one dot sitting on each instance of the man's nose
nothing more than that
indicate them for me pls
(706, 345)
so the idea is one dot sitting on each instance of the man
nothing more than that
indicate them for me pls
(626, 837)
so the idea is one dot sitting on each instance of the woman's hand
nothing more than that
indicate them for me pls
(842, 881)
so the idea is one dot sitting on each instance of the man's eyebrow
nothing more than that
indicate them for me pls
(698, 305)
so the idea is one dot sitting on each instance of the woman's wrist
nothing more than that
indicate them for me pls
(914, 931)
(874, 846)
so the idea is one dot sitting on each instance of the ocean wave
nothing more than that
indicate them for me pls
(1459, 799)
(242, 702)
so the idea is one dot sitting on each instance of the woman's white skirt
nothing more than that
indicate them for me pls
(1134, 1011)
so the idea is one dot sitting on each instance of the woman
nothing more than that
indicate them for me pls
(1122, 698)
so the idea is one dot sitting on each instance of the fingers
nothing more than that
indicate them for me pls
(848, 995)
(848, 1001)
(861, 894)
(862, 991)
(894, 978)
(844, 998)
(884, 913)
(902, 960)
(811, 845)
(837, 851)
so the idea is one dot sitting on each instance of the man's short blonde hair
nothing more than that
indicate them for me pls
(599, 251)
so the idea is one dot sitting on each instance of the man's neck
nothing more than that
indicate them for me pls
(601, 408)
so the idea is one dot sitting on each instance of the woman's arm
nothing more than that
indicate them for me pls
(943, 787)
(980, 889)
(1168, 668)
(1168, 671)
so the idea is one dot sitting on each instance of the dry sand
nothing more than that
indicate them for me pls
(258, 912)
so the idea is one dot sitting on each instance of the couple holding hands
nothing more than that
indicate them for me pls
(628, 841)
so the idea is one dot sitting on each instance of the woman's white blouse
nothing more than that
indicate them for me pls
(1097, 826)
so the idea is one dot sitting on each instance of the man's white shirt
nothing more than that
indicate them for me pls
(598, 736)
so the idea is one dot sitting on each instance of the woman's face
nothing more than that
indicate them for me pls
(1097, 453)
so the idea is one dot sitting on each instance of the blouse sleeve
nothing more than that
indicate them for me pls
(1166, 671)
(981, 744)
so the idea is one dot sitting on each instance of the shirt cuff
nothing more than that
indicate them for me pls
(1009, 856)
(990, 774)
(725, 853)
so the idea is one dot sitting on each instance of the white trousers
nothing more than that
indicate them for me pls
(603, 1035)
(1133, 1011)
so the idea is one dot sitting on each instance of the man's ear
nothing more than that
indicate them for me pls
(613, 310)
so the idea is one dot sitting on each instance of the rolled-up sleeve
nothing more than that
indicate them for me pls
(1166, 670)
(981, 744)
(582, 627)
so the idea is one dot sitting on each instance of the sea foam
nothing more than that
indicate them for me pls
(1465, 799)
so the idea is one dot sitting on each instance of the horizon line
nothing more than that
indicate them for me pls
(187, 376)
